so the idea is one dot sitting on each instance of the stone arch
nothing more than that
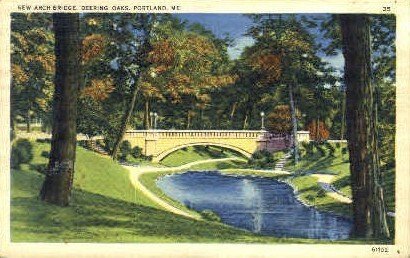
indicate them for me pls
(165, 153)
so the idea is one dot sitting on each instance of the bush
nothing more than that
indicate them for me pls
(43, 140)
(321, 193)
(344, 150)
(264, 159)
(125, 150)
(210, 216)
(41, 168)
(45, 154)
(21, 153)
(338, 145)
(331, 149)
(308, 146)
(260, 154)
(321, 150)
(108, 144)
(136, 152)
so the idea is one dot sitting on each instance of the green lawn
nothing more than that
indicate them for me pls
(195, 153)
(309, 191)
(338, 164)
(106, 208)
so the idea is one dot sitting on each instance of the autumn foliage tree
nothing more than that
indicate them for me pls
(185, 67)
(32, 67)
(318, 131)
(279, 120)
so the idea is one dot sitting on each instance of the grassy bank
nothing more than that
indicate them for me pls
(106, 208)
(196, 153)
(330, 159)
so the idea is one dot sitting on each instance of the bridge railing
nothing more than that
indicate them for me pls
(253, 134)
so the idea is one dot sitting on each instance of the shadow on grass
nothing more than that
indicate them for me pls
(92, 217)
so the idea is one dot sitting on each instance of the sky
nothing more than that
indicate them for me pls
(236, 25)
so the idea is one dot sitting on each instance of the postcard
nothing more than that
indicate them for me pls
(204, 129)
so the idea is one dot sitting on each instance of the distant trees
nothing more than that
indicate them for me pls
(32, 67)
(318, 131)
(279, 120)
(288, 69)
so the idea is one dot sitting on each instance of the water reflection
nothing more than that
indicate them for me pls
(260, 205)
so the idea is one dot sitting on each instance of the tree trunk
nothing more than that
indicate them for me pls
(58, 183)
(201, 119)
(28, 127)
(342, 129)
(188, 120)
(232, 113)
(145, 48)
(147, 118)
(294, 124)
(317, 129)
(368, 204)
(125, 120)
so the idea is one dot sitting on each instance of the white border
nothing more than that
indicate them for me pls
(400, 7)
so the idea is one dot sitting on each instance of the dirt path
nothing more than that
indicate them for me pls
(136, 172)
(324, 181)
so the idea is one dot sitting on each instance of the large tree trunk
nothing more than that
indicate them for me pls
(294, 125)
(58, 183)
(368, 204)
(343, 126)
(28, 127)
(126, 119)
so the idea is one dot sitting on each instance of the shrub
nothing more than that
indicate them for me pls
(338, 145)
(45, 154)
(308, 146)
(136, 152)
(260, 154)
(21, 152)
(210, 216)
(43, 140)
(331, 149)
(41, 168)
(321, 150)
(125, 149)
(321, 193)
(310, 197)
(108, 144)
(344, 150)
(263, 159)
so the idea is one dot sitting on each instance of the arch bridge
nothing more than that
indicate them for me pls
(161, 143)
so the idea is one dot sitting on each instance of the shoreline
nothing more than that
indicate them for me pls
(136, 172)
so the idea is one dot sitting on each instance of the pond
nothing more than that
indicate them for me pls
(261, 205)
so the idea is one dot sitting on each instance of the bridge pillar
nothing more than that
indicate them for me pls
(262, 141)
(303, 136)
(151, 144)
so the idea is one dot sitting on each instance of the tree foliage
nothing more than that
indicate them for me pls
(32, 67)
